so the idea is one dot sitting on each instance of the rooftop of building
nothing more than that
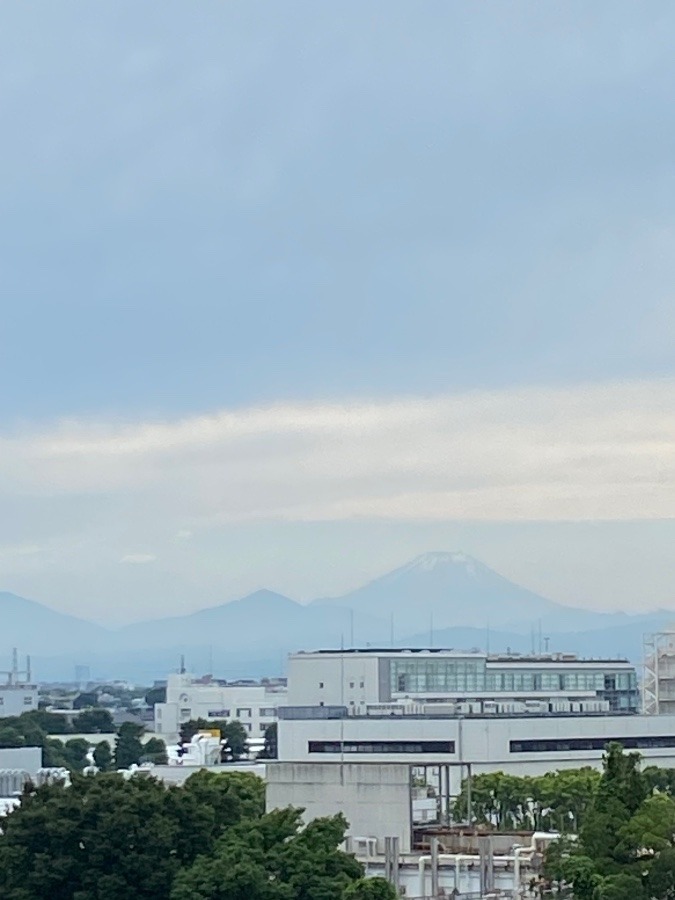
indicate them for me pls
(474, 653)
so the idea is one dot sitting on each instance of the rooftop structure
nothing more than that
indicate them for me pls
(464, 682)
(18, 694)
(658, 683)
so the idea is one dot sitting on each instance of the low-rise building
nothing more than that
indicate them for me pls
(463, 682)
(360, 724)
(18, 693)
(252, 703)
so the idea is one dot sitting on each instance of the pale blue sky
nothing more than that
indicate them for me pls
(216, 206)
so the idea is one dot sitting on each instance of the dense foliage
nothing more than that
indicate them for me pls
(20, 731)
(556, 801)
(270, 748)
(626, 844)
(107, 838)
(33, 729)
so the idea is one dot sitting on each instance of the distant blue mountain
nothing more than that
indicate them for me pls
(447, 599)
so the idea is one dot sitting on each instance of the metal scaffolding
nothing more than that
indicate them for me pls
(658, 679)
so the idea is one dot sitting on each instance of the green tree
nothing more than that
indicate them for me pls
(75, 754)
(650, 830)
(236, 737)
(580, 871)
(94, 721)
(621, 791)
(273, 858)
(189, 729)
(623, 886)
(370, 889)
(103, 757)
(50, 723)
(108, 838)
(661, 876)
(270, 750)
(154, 751)
(53, 754)
(128, 746)
(11, 736)
(216, 801)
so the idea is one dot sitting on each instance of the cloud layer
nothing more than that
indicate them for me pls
(583, 453)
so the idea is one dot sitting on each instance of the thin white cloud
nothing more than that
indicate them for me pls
(138, 558)
(582, 453)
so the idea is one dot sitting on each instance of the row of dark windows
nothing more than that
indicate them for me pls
(558, 745)
(381, 747)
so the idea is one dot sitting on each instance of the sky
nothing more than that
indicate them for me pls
(293, 292)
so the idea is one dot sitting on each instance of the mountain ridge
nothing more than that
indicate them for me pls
(435, 597)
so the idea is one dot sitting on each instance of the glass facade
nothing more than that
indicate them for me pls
(437, 676)
(466, 675)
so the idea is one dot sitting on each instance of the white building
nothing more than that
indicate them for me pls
(525, 745)
(17, 698)
(254, 704)
(18, 693)
(463, 682)
(359, 723)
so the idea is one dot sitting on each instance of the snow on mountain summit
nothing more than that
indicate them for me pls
(427, 562)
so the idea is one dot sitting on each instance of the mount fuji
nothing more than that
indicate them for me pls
(440, 599)
(446, 590)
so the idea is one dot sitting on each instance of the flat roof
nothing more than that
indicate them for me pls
(557, 658)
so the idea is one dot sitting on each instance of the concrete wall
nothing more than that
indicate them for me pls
(333, 679)
(17, 699)
(374, 799)
(28, 759)
(483, 742)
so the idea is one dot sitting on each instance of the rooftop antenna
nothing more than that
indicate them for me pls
(28, 671)
(182, 664)
(546, 643)
(15, 666)
(540, 640)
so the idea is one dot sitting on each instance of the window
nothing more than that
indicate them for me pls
(27, 701)
(268, 712)
(362, 684)
(218, 714)
(381, 747)
(437, 676)
(561, 745)
(321, 684)
(351, 684)
(185, 712)
(244, 712)
(263, 727)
